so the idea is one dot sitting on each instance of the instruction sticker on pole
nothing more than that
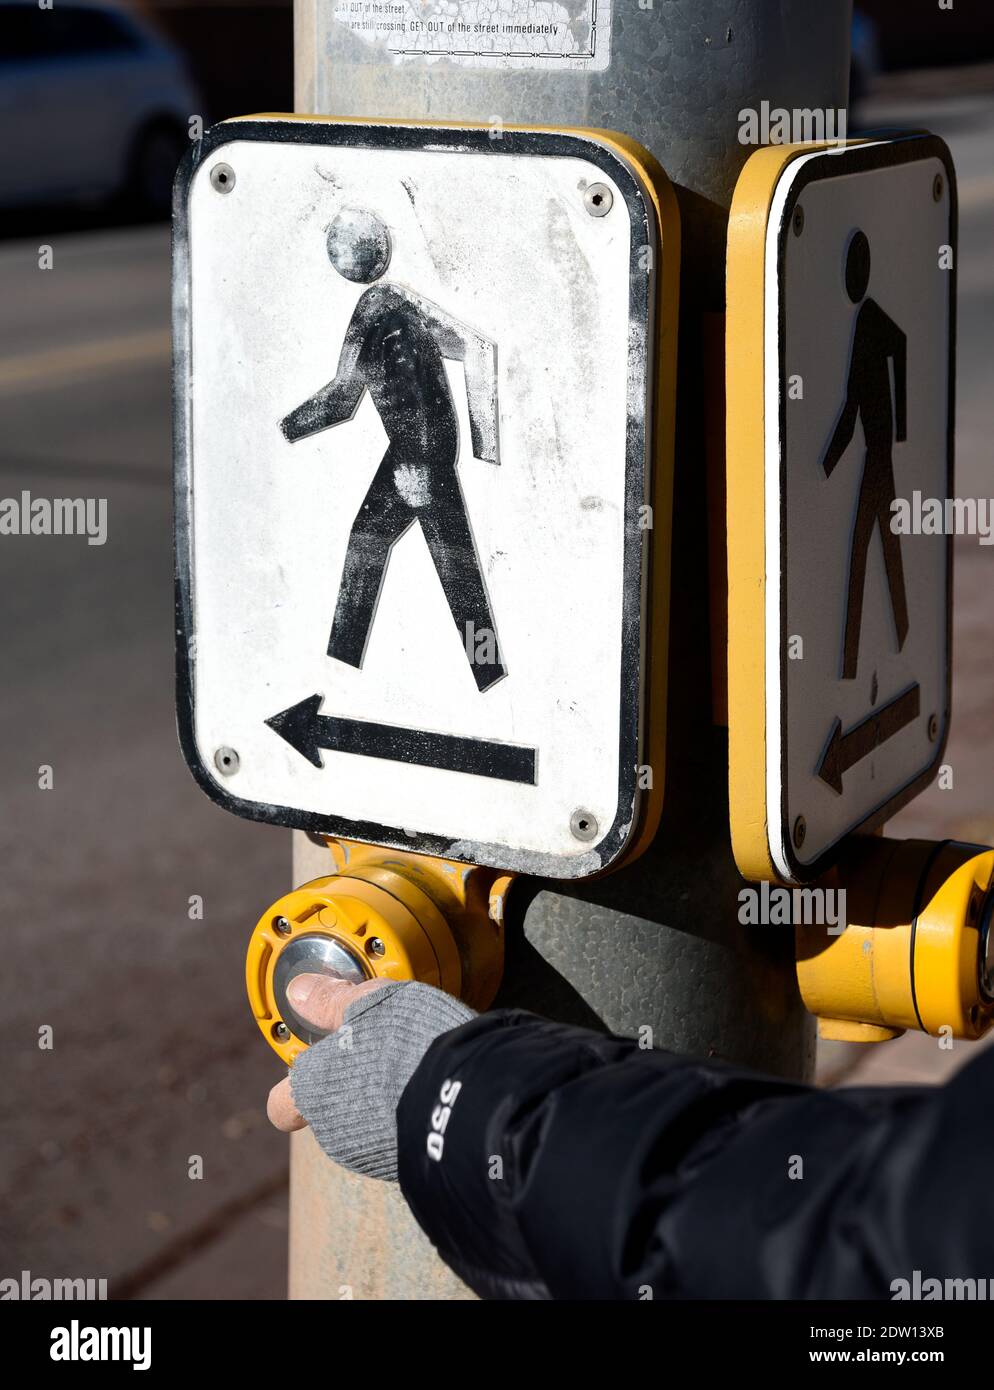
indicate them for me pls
(422, 498)
(840, 370)
(550, 35)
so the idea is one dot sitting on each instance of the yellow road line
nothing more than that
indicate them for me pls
(53, 367)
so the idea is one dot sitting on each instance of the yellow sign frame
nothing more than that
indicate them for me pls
(750, 815)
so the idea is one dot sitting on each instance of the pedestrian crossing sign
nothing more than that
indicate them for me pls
(423, 452)
(840, 351)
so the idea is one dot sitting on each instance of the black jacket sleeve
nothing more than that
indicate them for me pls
(547, 1161)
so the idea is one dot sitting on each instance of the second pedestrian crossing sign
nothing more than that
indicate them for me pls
(840, 334)
(424, 444)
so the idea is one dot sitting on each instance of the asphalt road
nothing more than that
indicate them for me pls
(155, 1057)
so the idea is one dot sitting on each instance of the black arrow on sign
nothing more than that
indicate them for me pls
(308, 732)
(846, 750)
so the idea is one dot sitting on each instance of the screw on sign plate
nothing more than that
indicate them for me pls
(222, 178)
(583, 825)
(598, 199)
(227, 761)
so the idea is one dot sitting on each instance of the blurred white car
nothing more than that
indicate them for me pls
(93, 103)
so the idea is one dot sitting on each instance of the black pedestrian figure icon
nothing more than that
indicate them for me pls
(876, 340)
(395, 347)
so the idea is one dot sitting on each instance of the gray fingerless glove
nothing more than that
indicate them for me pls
(347, 1086)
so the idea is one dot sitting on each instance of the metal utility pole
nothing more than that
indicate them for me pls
(658, 944)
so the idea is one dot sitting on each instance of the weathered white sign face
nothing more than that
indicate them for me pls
(858, 335)
(413, 369)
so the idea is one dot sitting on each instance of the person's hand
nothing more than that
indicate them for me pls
(321, 1001)
(348, 1085)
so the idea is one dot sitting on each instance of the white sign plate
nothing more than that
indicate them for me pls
(859, 332)
(412, 373)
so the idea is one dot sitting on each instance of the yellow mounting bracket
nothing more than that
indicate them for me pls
(917, 951)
